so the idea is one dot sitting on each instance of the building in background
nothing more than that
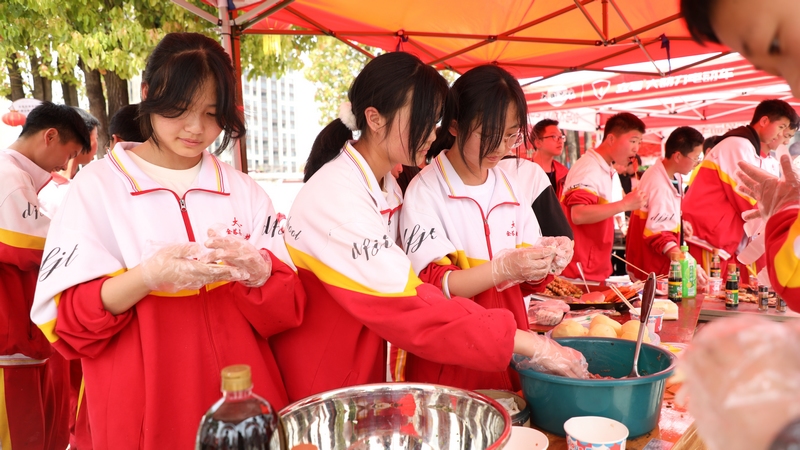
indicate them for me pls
(282, 122)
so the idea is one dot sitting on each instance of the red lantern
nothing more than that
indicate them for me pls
(14, 119)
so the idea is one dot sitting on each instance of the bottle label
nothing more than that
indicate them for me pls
(674, 289)
(732, 297)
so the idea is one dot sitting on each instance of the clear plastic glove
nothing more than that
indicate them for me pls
(551, 357)
(702, 279)
(564, 247)
(688, 231)
(770, 192)
(176, 267)
(634, 200)
(237, 252)
(743, 381)
(514, 266)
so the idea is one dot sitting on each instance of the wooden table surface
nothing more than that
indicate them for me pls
(673, 420)
(714, 308)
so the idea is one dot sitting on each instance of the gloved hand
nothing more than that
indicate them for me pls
(548, 356)
(770, 193)
(176, 267)
(564, 248)
(237, 252)
(514, 266)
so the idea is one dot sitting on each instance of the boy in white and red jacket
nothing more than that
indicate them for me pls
(587, 197)
(653, 234)
(32, 395)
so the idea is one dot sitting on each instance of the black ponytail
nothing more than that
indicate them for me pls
(385, 84)
(444, 140)
(326, 146)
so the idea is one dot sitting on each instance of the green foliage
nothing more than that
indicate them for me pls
(272, 54)
(333, 66)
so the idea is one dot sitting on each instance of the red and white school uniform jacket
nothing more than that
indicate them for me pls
(445, 229)
(655, 228)
(590, 182)
(711, 204)
(52, 194)
(363, 291)
(533, 188)
(783, 254)
(151, 372)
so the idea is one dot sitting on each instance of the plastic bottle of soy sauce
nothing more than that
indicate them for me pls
(240, 420)
(675, 286)
(732, 288)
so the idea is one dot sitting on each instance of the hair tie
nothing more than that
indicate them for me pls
(347, 117)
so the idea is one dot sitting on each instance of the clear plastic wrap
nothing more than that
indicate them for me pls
(771, 193)
(564, 248)
(548, 312)
(238, 252)
(551, 357)
(175, 267)
(743, 381)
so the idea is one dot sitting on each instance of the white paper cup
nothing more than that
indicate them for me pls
(595, 433)
(655, 320)
(524, 438)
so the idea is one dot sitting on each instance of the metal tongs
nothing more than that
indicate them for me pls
(648, 295)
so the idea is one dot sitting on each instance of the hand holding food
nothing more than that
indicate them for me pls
(176, 267)
(238, 252)
(634, 200)
(514, 266)
(550, 357)
(564, 248)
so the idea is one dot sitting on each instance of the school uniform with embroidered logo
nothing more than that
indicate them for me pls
(32, 412)
(156, 367)
(655, 228)
(447, 226)
(590, 182)
(363, 291)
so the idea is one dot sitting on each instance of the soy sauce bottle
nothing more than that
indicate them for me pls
(240, 420)
(732, 288)
(675, 286)
(714, 271)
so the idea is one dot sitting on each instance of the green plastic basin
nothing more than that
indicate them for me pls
(636, 402)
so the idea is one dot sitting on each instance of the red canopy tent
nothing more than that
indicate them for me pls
(530, 38)
(718, 92)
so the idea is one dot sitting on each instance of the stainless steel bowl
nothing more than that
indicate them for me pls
(397, 416)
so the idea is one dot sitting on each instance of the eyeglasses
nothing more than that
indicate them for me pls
(511, 141)
(694, 160)
(556, 137)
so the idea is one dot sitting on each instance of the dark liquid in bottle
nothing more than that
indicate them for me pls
(242, 425)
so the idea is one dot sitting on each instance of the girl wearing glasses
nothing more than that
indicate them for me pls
(462, 224)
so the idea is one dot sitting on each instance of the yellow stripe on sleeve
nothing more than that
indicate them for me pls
(5, 432)
(725, 178)
(787, 261)
(331, 277)
(21, 240)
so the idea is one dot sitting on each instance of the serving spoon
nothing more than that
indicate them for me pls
(648, 295)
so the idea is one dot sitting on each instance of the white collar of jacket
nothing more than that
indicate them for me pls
(454, 186)
(210, 179)
(662, 171)
(370, 183)
(39, 176)
(602, 162)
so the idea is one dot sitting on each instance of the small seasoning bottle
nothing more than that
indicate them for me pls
(763, 298)
(732, 288)
(714, 271)
(675, 286)
(780, 304)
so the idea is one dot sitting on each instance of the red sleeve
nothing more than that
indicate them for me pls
(580, 197)
(277, 305)
(83, 326)
(659, 240)
(26, 259)
(434, 273)
(535, 287)
(783, 264)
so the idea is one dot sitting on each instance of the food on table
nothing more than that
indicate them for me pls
(569, 328)
(602, 330)
(560, 287)
(603, 319)
(594, 376)
(592, 297)
(631, 336)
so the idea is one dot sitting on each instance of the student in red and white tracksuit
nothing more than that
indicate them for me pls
(712, 205)
(342, 236)
(654, 230)
(587, 199)
(548, 140)
(135, 284)
(474, 218)
(33, 403)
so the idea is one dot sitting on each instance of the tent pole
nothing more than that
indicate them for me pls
(230, 41)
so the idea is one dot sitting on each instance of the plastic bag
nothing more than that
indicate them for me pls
(743, 381)
(548, 312)
(551, 357)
